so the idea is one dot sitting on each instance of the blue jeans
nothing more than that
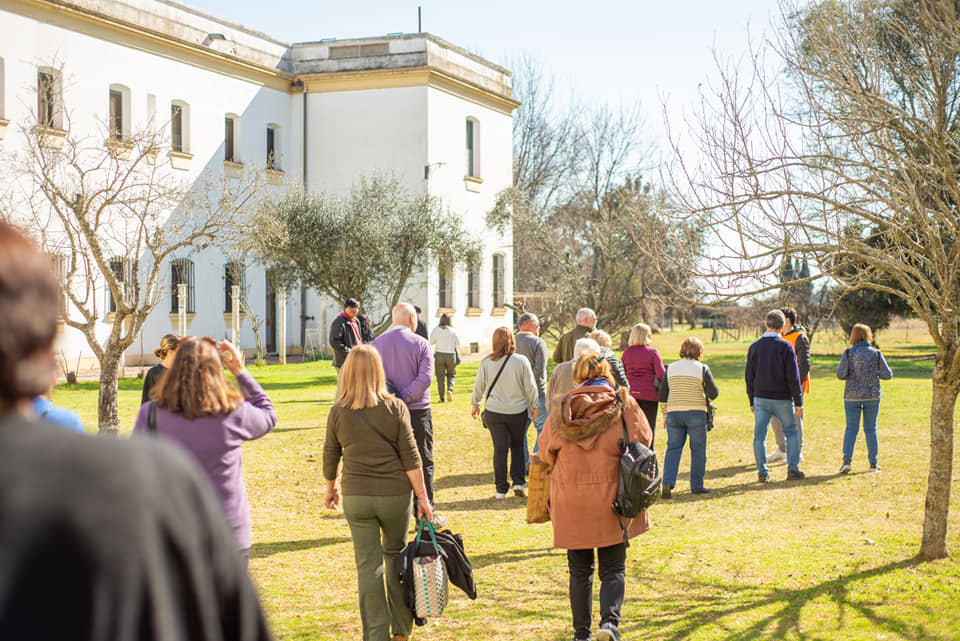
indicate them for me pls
(538, 422)
(692, 423)
(763, 410)
(870, 409)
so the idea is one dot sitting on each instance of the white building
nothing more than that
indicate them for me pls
(329, 112)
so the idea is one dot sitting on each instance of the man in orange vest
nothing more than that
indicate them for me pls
(793, 334)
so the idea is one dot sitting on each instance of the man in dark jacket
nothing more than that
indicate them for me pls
(345, 332)
(421, 326)
(773, 387)
(796, 336)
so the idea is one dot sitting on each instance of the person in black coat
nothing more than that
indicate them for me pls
(421, 326)
(345, 332)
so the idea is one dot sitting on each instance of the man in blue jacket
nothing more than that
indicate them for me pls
(773, 387)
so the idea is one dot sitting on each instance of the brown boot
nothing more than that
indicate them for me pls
(399, 637)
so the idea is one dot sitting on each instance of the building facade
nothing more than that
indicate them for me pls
(318, 115)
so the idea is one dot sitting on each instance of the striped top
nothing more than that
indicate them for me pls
(683, 386)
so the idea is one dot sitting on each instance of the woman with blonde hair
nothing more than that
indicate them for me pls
(194, 406)
(582, 441)
(370, 430)
(861, 369)
(686, 388)
(166, 352)
(508, 391)
(644, 368)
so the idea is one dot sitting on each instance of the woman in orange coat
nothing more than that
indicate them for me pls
(582, 441)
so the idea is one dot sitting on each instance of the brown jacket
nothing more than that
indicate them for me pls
(582, 440)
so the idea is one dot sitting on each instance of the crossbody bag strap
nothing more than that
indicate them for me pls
(495, 379)
(703, 385)
(620, 485)
(380, 434)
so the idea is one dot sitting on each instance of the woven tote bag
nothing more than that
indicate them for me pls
(538, 493)
(430, 583)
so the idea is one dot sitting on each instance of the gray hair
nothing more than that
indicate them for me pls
(525, 318)
(585, 314)
(775, 319)
(402, 313)
(603, 339)
(583, 346)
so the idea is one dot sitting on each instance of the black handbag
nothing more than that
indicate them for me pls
(711, 408)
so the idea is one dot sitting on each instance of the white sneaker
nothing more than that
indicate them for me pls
(518, 491)
(498, 495)
(845, 468)
(779, 455)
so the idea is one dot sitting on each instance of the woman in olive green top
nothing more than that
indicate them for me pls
(370, 429)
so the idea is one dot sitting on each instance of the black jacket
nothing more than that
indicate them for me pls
(616, 368)
(459, 570)
(772, 371)
(342, 339)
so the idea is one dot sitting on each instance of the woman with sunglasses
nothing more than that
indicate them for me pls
(194, 406)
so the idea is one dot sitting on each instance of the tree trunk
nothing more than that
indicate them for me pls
(108, 413)
(937, 505)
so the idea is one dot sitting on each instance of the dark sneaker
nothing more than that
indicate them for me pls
(702, 490)
(607, 632)
(664, 492)
(874, 468)
(763, 478)
(795, 475)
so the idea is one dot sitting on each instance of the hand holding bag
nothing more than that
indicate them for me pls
(429, 578)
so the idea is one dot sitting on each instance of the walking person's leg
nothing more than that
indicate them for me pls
(580, 563)
(500, 435)
(541, 419)
(777, 428)
(612, 570)
(761, 421)
(649, 409)
(871, 409)
(360, 512)
(517, 428)
(394, 513)
(852, 411)
(697, 430)
(676, 437)
(784, 410)
(422, 423)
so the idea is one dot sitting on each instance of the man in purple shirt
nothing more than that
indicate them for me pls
(408, 363)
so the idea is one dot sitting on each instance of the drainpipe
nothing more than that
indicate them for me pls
(303, 290)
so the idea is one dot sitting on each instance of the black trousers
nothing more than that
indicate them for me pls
(507, 431)
(612, 562)
(650, 411)
(422, 423)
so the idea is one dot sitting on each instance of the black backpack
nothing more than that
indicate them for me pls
(640, 480)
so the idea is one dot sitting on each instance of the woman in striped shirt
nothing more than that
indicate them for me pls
(686, 388)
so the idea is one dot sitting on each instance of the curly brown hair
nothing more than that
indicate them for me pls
(195, 385)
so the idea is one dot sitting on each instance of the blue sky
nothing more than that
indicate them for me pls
(606, 50)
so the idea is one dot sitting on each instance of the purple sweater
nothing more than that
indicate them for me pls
(214, 441)
(408, 363)
(642, 364)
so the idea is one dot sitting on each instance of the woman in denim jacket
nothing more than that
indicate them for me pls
(862, 367)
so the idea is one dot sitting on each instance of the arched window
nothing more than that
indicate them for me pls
(445, 287)
(122, 270)
(180, 126)
(119, 120)
(231, 138)
(473, 286)
(473, 147)
(233, 274)
(273, 147)
(49, 98)
(498, 281)
(181, 272)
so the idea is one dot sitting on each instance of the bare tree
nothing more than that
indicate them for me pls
(842, 136)
(111, 211)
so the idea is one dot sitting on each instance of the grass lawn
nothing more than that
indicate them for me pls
(832, 557)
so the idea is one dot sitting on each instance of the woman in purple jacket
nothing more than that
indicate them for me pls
(644, 368)
(197, 409)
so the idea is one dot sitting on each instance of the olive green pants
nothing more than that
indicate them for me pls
(378, 526)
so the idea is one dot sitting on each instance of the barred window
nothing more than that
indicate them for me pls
(473, 147)
(233, 274)
(122, 270)
(473, 286)
(181, 272)
(49, 94)
(179, 126)
(445, 288)
(498, 280)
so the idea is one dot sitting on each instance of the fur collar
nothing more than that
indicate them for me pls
(586, 411)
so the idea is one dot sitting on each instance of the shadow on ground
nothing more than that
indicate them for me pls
(261, 550)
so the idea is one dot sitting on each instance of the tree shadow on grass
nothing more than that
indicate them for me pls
(296, 429)
(463, 480)
(509, 503)
(727, 613)
(510, 556)
(261, 550)
(305, 382)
